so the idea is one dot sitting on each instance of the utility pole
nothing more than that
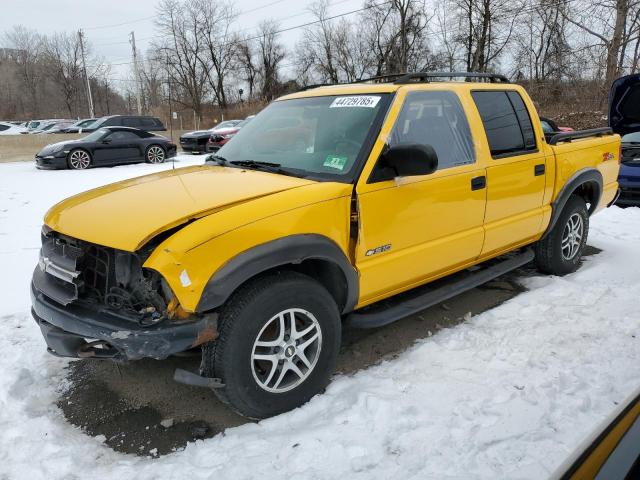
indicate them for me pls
(86, 77)
(170, 107)
(136, 71)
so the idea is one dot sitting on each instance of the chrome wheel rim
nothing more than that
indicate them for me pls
(79, 159)
(572, 236)
(286, 350)
(155, 155)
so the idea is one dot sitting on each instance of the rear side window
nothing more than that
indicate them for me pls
(131, 122)
(506, 122)
(112, 122)
(437, 119)
(4, 127)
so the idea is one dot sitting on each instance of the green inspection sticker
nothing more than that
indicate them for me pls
(335, 161)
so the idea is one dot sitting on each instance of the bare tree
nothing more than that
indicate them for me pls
(271, 55)
(247, 66)
(27, 53)
(212, 20)
(486, 30)
(542, 46)
(615, 24)
(182, 47)
(64, 61)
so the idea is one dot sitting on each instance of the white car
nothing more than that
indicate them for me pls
(11, 129)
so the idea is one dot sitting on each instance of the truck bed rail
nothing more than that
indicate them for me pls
(568, 136)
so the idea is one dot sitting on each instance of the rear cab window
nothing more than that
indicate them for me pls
(506, 122)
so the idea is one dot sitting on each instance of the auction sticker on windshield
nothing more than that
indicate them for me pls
(335, 161)
(367, 101)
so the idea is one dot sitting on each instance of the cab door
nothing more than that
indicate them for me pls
(413, 229)
(516, 171)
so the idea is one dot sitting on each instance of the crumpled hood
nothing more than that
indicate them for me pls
(126, 215)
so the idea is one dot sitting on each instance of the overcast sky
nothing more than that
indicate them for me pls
(102, 21)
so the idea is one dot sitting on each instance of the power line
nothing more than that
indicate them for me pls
(121, 24)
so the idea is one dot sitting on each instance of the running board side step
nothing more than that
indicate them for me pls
(417, 300)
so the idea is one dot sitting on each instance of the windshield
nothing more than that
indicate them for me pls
(319, 136)
(95, 136)
(631, 138)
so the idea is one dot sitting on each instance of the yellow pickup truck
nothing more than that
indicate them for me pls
(357, 203)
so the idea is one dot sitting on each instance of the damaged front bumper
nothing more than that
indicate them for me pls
(78, 331)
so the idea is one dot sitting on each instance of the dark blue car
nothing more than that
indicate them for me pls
(624, 118)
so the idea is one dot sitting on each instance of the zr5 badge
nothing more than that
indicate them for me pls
(382, 249)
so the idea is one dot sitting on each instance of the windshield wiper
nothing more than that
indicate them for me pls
(218, 159)
(254, 163)
(269, 167)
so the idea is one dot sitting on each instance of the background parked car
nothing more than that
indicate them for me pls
(196, 142)
(52, 127)
(79, 126)
(148, 124)
(218, 138)
(107, 146)
(11, 129)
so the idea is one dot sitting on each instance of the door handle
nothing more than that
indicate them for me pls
(478, 183)
(539, 170)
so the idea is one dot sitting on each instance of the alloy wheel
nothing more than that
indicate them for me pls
(79, 159)
(286, 350)
(572, 236)
(155, 154)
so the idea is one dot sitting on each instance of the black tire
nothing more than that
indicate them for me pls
(155, 154)
(242, 323)
(552, 255)
(79, 159)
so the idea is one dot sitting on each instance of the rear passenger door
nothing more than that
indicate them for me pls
(413, 229)
(516, 172)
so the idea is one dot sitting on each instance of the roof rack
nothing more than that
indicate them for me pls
(418, 77)
(427, 76)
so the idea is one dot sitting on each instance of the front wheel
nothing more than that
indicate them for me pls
(155, 154)
(278, 345)
(560, 251)
(79, 159)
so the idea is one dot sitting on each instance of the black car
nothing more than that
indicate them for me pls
(107, 146)
(148, 124)
(196, 142)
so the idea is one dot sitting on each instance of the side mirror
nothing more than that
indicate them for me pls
(106, 141)
(405, 160)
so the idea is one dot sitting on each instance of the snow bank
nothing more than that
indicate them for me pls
(508, 394)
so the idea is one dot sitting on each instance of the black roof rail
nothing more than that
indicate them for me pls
(427, 76)
(317, 85)
(379, 78)
(568, 136)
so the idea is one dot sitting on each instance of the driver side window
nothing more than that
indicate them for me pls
(437, 119)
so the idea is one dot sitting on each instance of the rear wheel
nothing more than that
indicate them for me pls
(560, 251)
(278, 344)
(78, 159)
(155, 154)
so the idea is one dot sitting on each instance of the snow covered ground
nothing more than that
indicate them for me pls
(507, 394)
